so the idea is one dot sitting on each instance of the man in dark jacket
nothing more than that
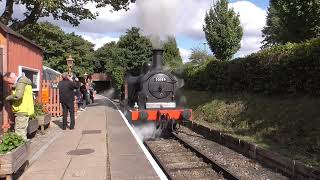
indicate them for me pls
(66, 94)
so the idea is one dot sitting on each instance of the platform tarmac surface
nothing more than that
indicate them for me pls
(101, 147)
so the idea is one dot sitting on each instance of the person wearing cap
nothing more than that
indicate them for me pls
(66, 95)
(22, 103)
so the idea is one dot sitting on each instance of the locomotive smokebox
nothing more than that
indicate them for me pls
(157, 59)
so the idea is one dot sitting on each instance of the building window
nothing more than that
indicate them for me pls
(33, 75)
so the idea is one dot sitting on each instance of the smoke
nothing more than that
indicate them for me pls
(110, 93)
(158, 19)
(147, 131)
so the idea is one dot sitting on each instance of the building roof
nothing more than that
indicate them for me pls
(12, 32)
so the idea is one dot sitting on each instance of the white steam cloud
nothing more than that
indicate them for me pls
(147, 131)
(157, 19)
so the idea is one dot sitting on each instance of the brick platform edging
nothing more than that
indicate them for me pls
(292, 168)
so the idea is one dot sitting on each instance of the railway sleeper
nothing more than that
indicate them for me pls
(181, 165)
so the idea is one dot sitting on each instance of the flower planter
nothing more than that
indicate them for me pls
(12, 161)
(43, 121)
(32, 126)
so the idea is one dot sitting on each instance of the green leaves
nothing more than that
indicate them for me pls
(58, 45)
(287, 69)
(70, 11)
(10, 141)
(223, 30)
(171, 55)
(291, 21)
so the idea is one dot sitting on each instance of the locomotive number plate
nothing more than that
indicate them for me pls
(160, 79)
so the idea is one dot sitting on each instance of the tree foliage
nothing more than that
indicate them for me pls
(113, 61)
(139, 49)
(199, 55)
(290, 69)
(71, 11)
(223, 30)
(171, 55)
(58, 45)
(291, 21)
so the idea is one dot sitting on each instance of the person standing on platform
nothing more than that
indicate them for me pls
(22, 103)
(66, 94)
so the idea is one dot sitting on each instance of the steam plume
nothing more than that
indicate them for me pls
(147, 131)
(157, 20)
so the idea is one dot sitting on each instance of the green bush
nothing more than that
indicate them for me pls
(38, 111)
(10, 141)
(285, 69)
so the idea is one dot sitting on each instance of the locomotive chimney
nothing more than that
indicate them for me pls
(157, 59)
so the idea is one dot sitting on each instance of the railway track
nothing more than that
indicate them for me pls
(181, 161)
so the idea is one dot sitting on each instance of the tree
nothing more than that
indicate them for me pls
(71, 11)
(223, 30)
(114, 61)
(199, 56)
(291, 21)
(58, 45)
(139, 49)
(171, 55)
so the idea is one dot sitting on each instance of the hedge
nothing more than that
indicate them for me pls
(283, 69)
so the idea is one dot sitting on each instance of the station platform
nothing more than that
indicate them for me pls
(101, 147)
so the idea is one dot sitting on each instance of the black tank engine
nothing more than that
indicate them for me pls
(152, 96)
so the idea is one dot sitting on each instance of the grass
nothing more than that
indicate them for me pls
(287, 125)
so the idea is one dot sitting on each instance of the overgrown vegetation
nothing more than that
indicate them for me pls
(289, 69)
(38, 111)
(9, 142)
(291, 21)
(289, 125)
(58, 45)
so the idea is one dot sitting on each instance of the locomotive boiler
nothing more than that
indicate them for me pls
(152, 96)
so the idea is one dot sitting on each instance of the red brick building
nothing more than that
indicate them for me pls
(17, 54)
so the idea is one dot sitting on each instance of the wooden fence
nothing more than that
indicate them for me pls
(50, 100)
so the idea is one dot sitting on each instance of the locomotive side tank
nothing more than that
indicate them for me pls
(151, 96)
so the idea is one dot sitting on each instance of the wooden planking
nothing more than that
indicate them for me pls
(11, 162)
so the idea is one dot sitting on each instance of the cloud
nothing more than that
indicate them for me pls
(185, 54)
(97, 39)
(186, 20)
(252, 20)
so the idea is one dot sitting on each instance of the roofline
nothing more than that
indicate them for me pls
(45, 67)
(8, 30)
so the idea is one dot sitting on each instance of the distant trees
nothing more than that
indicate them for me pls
(58, 45)
(291, 21)
(71, 11)
(223, 30)
(199, 55)
(172, 56)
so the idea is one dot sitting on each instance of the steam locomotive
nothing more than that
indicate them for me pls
(152, 96)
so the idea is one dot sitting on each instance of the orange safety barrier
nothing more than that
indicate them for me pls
(50, 99)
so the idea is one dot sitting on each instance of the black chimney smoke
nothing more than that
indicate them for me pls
(157, 59)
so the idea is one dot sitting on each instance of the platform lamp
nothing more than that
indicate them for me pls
(85, 75)
(70, 63)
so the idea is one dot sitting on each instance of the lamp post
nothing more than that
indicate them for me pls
(70, 63)
(85, 75)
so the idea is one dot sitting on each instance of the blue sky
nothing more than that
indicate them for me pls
(180, 18)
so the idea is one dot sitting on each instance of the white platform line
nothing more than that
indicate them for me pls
(153, 163)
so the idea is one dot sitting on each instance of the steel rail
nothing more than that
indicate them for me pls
(156, 158)
(218, 168)
(210, 163)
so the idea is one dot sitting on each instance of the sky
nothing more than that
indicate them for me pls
(183, 19)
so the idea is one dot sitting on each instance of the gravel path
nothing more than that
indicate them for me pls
(236, 163)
